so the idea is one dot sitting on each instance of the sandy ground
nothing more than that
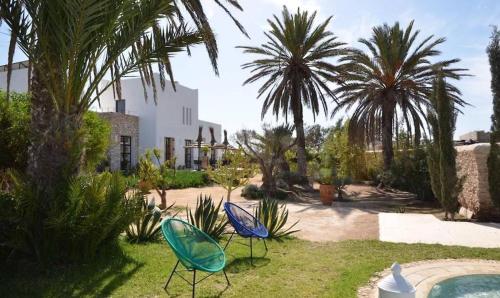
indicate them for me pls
(315, 221)
(368, 213)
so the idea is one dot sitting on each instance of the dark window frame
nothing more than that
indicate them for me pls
(125, 153)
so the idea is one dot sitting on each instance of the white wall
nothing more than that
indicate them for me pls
(18, 81)
(164, 119)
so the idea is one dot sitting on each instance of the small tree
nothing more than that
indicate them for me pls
(269, 150)
(442, 154)
(493, 51)
(153, 172)
(234, 172)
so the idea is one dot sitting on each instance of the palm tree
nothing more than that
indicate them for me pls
(393, 81)
(72, 45)
(294, 64)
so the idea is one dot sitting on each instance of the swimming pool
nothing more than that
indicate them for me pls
(468, 286)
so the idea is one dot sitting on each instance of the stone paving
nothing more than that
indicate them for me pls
(425, 274)
(425, 228)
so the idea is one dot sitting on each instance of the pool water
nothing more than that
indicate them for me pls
(468, 286)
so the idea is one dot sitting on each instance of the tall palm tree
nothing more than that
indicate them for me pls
(73, 44)
(393, 80)
(295, 65)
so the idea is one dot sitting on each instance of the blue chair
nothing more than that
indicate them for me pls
(245, 225)
(194, 249)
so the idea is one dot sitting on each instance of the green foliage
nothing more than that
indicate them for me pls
(235, 172)
(493, 51)
(252, 191)
(146, 227)
(268, 149)
(325, 176)
(96, 133)
(274, 217)
(14, 127)
(340, 153)
(154, 173)
(410, 172)
(89, 215)
(15, 137)
(206, 217)
(187, 178)
(294, 65)
(442, 164)
(182, 179)
(391, 79)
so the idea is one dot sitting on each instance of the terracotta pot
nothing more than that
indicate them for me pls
(326, 193)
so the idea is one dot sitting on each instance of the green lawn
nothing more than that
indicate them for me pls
(293, 268)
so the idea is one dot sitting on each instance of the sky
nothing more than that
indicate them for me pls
(223, 99)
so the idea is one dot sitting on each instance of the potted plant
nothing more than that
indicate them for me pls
(326, 187)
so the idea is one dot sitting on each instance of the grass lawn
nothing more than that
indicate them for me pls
(293, 268)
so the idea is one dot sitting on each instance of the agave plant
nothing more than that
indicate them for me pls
(147, 226)
(206, 217)
(274, 216)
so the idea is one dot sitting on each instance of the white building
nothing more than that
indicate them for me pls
(170, 125)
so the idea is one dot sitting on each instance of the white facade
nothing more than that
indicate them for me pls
(19, 78)
(174, 116)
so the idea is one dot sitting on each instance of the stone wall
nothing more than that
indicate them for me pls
(475, 197)
(122, 125)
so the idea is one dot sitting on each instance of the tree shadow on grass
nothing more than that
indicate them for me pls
(244, 264)
(98, 277)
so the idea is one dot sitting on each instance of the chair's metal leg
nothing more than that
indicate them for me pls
(265, 245)
(251, 252)
(232, 234)
(171, 274)
(227, 279)
(194, 282)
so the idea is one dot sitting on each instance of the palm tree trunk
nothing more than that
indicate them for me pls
(387, 134)
(301, 139)
(55, 151)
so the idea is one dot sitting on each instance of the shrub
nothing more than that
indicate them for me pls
(90, 214)
(292, 178)
(15, 127)
(146, 227)
(235, 172)
(274, 216)
(252, 191)
(188, 178)
(206, 217)
(410, 172)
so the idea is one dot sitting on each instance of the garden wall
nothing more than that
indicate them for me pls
(475, 197)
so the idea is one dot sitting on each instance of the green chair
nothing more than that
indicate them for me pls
(194, 249)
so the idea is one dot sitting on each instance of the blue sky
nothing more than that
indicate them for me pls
(223, 99)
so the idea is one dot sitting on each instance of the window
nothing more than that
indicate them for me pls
(120, 106)
(188, 153)
(125, 153)
(183, 115)
(169, 148)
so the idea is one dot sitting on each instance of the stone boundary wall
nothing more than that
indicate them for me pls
(475, 197)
